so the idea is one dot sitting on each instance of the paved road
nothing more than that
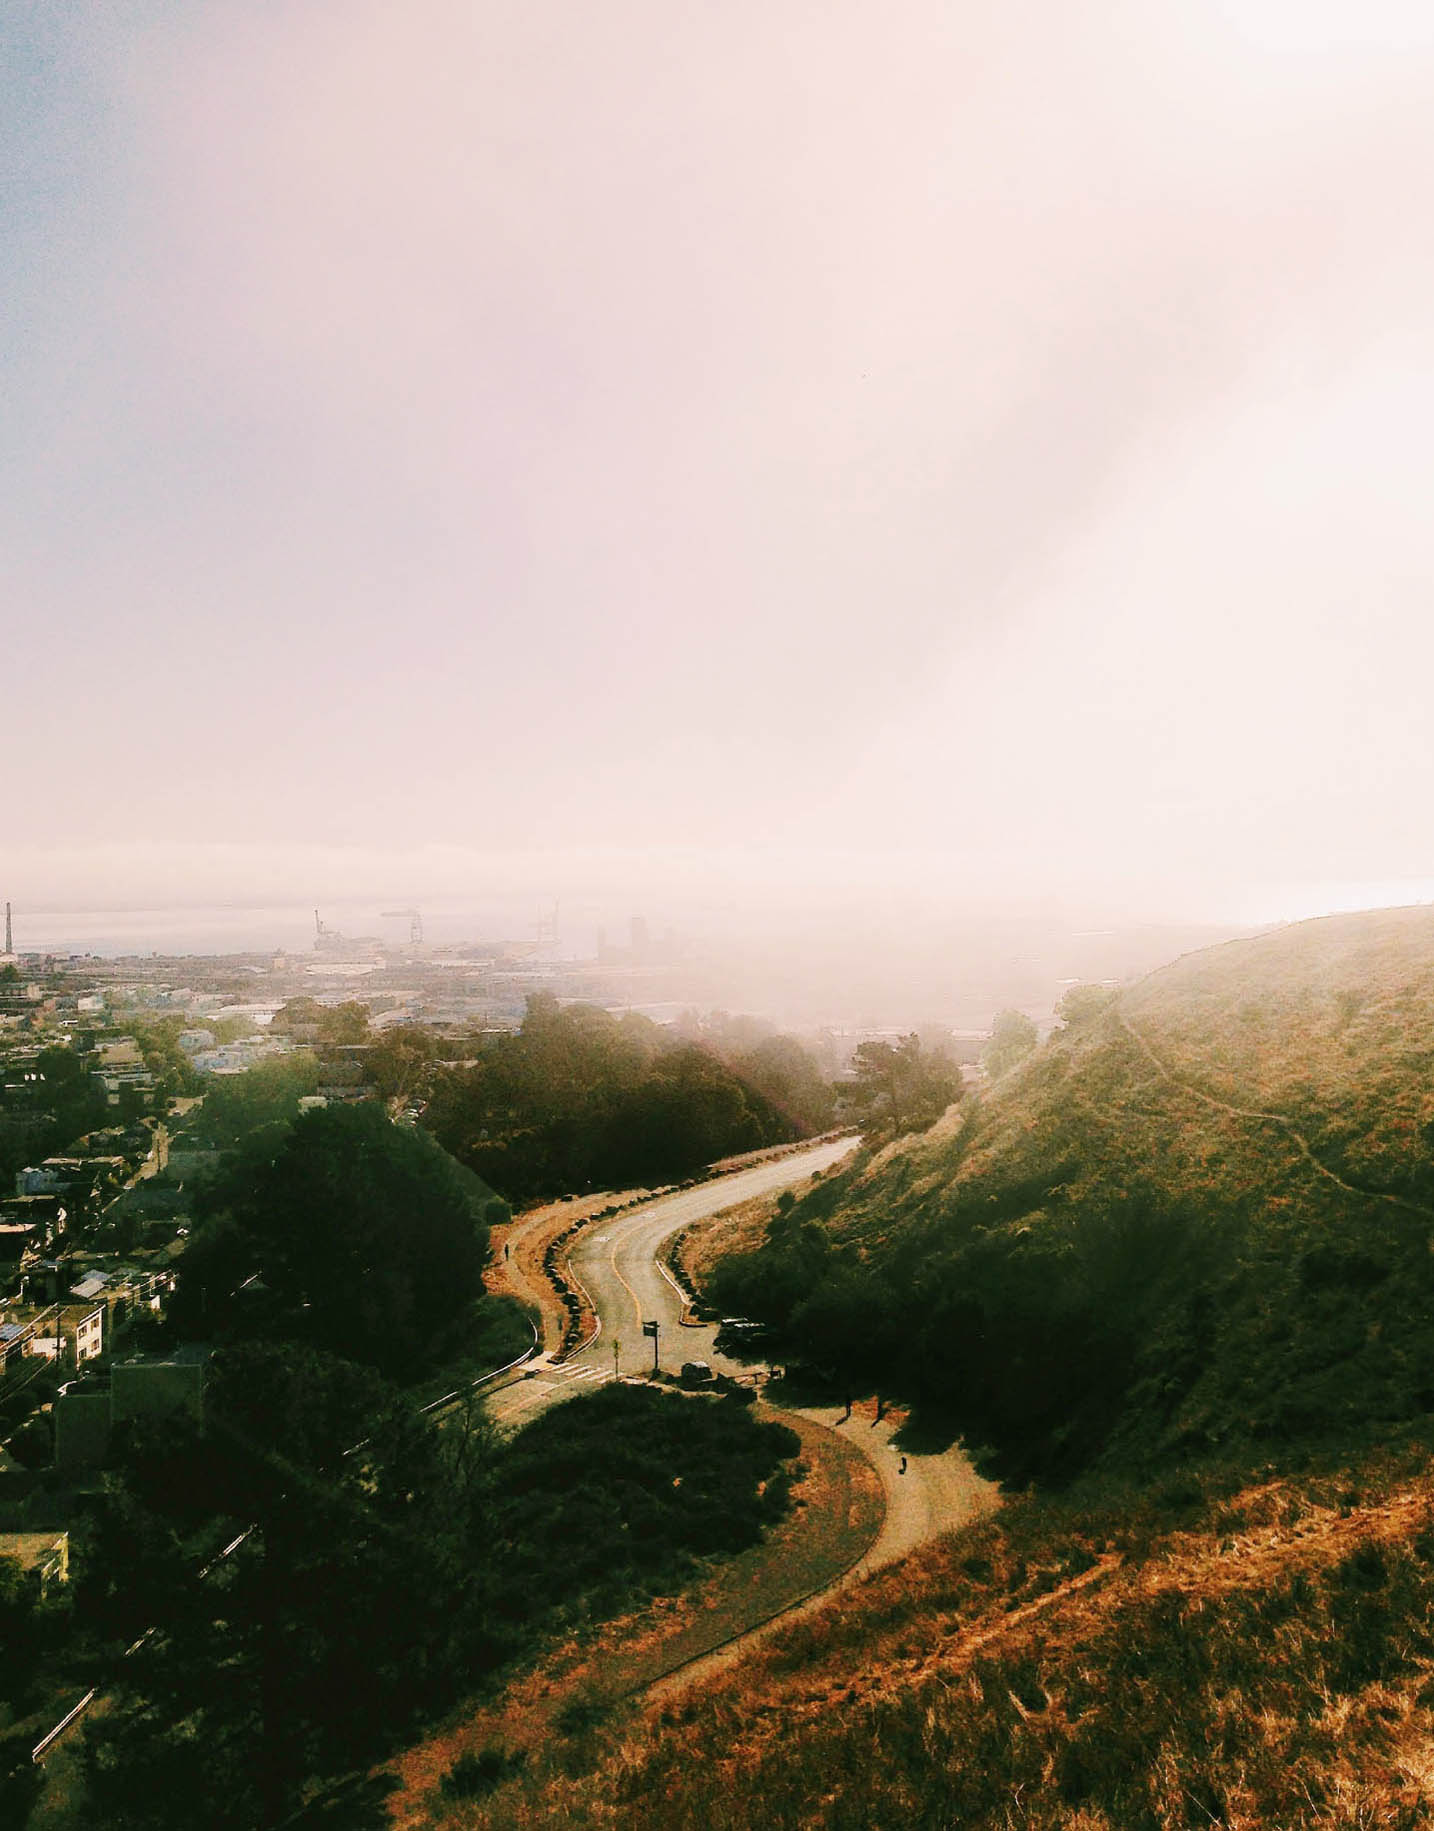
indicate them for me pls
(616, 1262)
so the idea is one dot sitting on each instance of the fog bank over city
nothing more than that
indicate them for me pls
(788, 472)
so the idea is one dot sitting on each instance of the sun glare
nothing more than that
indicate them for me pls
(1312, 26)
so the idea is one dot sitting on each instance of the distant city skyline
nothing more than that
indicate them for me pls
(735, 464)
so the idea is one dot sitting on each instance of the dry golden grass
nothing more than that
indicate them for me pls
(1269, 1664)
(741, 1228)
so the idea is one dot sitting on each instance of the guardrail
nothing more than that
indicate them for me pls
(461, 1392)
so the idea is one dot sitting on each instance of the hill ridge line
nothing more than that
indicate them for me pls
(1286, 1125)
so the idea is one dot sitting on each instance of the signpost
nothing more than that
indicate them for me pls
(650, 1328)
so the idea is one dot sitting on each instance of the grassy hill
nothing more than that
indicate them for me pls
(1248, 1655)
(1202, 1218)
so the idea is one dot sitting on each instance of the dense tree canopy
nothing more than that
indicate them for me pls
(375, 1585)
(343, 1023)
(400, 1060)
(158, 1042)
(364, 1237)
(339, 1615)
(782, 1071)
(269, 1093)
(579, 1098)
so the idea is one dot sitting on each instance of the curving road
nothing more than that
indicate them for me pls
(616, 1263)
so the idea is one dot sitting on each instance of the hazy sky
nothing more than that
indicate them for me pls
(665, 448)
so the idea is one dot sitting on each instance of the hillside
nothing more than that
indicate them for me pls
(1176, 1267)
(1200, 1218)
(1241, 1654)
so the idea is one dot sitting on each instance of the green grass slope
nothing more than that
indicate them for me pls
(1202, 1218)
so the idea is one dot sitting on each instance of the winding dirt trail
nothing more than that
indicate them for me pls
(1287, 1126)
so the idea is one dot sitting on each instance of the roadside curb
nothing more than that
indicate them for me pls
(568, 1286)
(687, 1319)
(578, 1304)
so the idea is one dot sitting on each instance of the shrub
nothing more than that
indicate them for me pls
(472, 1775)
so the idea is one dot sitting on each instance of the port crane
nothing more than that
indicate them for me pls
(415, 924)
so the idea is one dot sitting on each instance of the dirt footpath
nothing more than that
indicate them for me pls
(934, 1494)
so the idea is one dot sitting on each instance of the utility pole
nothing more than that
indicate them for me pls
(616, 1349)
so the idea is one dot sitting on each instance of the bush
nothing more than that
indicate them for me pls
(473, 1775)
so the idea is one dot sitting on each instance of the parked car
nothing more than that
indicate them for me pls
(742, 1338)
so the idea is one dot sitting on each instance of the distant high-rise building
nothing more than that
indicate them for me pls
(9, 932)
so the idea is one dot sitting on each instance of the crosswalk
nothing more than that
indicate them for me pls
(546, 1385)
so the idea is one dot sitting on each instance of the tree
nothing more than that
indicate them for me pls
(131, 1104)
(21, 1633)
(785, 1075)
(344, 1023)
(1082, 1004)
(582, 1099)
(1013, 1037)
(401, 1060)
(158, 1042)
(72, 1096)
(769, 1284)
(339, 1615)
(366, 1236)
(268, 1093)
(853, 1322)
(901, 1088)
